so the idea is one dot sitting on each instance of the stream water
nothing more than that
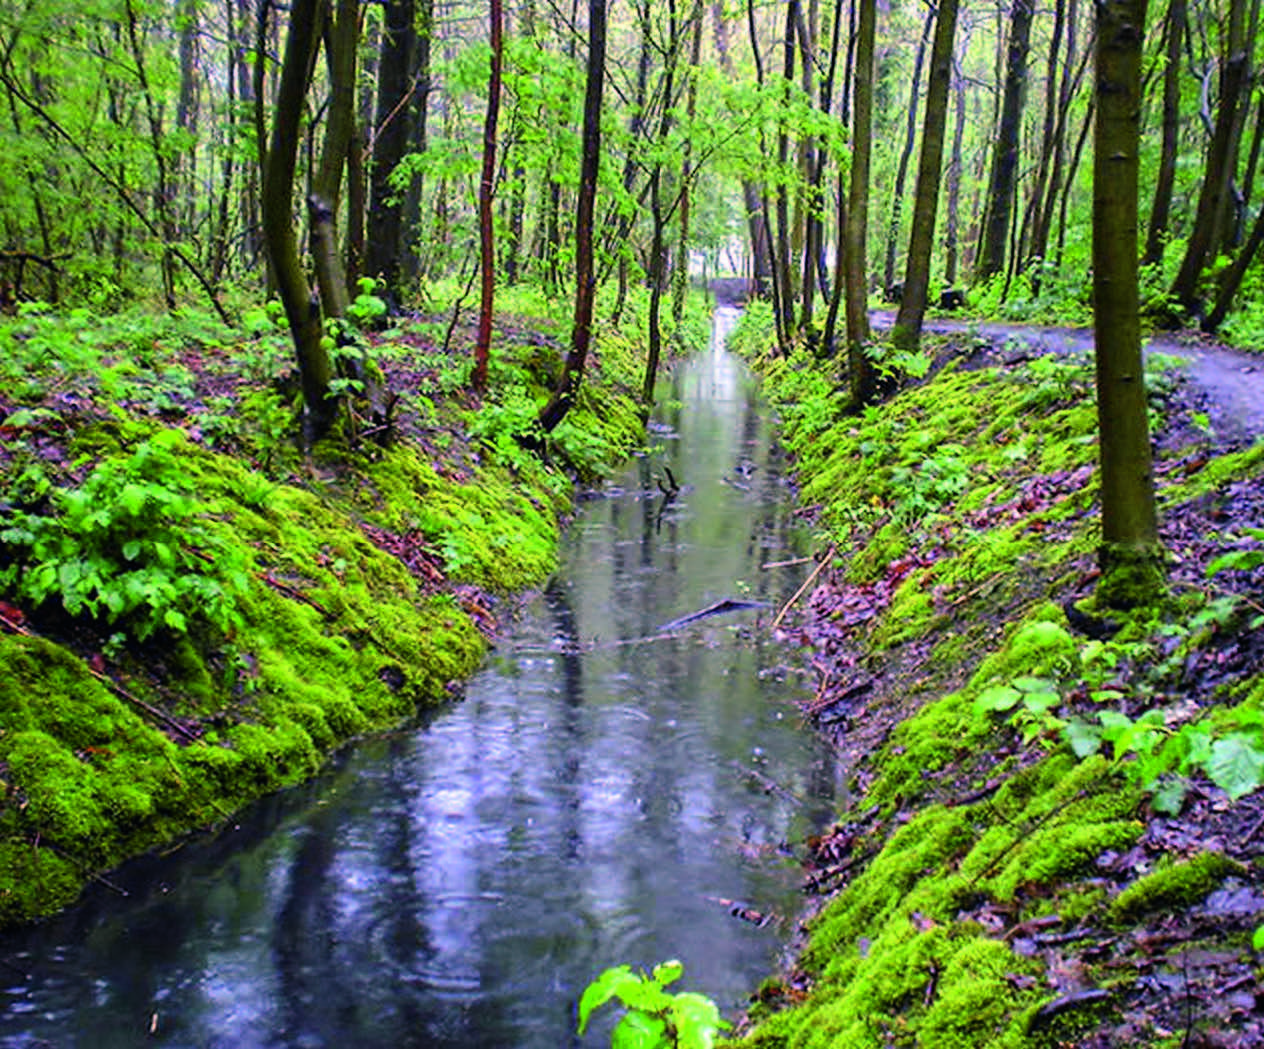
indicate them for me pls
(603, 794)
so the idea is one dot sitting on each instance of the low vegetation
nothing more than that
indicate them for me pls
(196, 613)
(1055, 816)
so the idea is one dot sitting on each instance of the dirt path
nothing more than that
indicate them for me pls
(1229, 383)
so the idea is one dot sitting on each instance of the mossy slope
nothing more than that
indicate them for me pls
(961, 513)
(367, 578)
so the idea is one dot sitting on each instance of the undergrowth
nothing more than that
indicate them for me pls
(1023, 758)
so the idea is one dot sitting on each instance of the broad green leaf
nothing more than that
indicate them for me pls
(697, 1020)
(1033, 684)
(1170, 796)
(638, 1030)
(602, 989)
(1235, 766)
(996, 697)
(1257, 940)
(1085, 739)
(1040, 702)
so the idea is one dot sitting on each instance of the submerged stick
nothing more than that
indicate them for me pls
(829, 554)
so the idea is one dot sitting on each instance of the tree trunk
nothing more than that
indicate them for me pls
(391, 137)
(486, 190)
(411, 261)
(907, 331)
(1129, 552)
(756, 224)
(302, 309)
(1216, 181)
(590, 163)
(1003, 185)
(952, 238)
(861, 375)
(1174, 33)
(910, 136)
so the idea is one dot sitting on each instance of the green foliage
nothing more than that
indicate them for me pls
(129, 545)
(653, 1018)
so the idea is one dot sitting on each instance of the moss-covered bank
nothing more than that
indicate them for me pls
(1036, 802)
(225, 613)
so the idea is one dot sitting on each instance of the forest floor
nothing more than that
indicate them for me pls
(1140, 934)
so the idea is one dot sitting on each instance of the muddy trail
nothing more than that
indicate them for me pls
(1226, 384)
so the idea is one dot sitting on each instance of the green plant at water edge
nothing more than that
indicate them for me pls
(129, 545)
(654, 1018)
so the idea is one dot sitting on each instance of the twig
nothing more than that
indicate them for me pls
(770, 785)
(785, 564)
(974, 591)
(829, 555)
(298, 595)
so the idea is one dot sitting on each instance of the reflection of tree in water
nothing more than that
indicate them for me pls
(351, 942)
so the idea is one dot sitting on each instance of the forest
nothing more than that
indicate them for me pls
(316, 316)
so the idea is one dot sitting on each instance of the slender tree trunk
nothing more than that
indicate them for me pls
(391, 136)
(411, 261)
(1218, 176)
(1027, 253)
(1129, 553)
(783, 270)
(907, 331)
(585, 284)
(680, 275)
(486, 191)
(756, 223)
(1003, 185)
(861, 374)
(910, 137)
(302, 309)
(952, 238)
(1174, 32)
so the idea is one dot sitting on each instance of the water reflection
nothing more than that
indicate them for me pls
(602, 795)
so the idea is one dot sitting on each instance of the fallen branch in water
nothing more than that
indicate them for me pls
(829, 556)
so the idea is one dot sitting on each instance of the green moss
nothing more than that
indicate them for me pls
(977, 998)
(1172, 886)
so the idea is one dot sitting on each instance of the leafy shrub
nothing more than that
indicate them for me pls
(129, 545)
(654, 1018)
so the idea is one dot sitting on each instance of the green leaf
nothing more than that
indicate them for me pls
(1257, 940)
(1033, 684)
(697, 1020)
(1170, 796)
(996, 697)
(1235, 766)
(602, 989)
(1041, 702)
(1085, 739)
(638, 1030)
(668, 972)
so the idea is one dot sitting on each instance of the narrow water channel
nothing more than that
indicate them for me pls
(603, 794)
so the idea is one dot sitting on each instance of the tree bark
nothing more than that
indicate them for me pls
(1129, 552)
(862, 377)
(391, 136)
(907, 331)
(590, 164)
(486, 192)
(1003, 184)
(910, 136)
(1174, 32)
(302, 308)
